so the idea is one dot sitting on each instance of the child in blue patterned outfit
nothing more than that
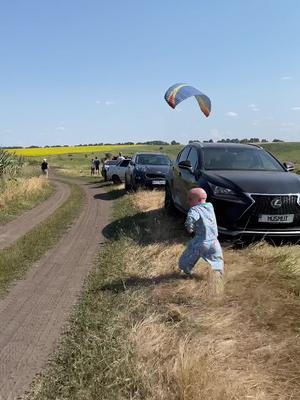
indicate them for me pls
(201, 221)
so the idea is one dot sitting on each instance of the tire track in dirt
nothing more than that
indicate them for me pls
(36, 309)
(18, 227)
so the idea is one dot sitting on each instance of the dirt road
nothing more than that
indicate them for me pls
(14, 230)
(36, 309)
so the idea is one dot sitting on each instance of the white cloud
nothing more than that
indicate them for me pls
(105, 102)
(231, 114)
(253, 107)
(215, 134)
(60, 128)
(7, 131)
(287, 124)
(297, 108)
(286, 78)
(288, 127)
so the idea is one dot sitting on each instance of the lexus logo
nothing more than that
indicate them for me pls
(276, 203)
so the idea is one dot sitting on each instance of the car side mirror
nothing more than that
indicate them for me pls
(186, 165)
(132, 163)
(289, 166)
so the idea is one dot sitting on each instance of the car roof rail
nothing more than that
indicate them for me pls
(255, 145)
(197, 143)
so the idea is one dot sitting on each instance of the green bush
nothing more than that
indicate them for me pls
(10, 164)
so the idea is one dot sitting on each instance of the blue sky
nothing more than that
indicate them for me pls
(96, 71)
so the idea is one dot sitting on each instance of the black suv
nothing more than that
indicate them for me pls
(147, 170)
(252, 192)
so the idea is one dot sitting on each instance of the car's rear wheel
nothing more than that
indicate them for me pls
(134, 185)
(127, 184)
(116, 180)
(169, 202)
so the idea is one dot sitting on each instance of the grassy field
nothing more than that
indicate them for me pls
(281, 150)
(22, 192)
(50, 151)
(141, 332)
(285, 151)
(16, 259)
(77, 162)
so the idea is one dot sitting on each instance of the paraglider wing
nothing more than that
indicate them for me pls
(181, 91)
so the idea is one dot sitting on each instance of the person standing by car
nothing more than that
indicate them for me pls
(97, 165)
(93, 167)
(120, 157)
(45, 168)
(201, 221)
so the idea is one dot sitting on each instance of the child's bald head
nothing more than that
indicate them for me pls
(197, 196)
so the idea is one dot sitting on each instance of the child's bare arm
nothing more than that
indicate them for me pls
(190, 222)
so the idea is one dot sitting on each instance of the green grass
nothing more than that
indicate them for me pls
(92, 361)
(22, 201)
(79, 164)
(285, 151)
(127, 333)
(18, 205)
(74, 163)
(132, 339)
(17, 259)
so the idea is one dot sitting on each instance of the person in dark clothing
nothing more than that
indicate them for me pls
(97, 165)
(45, 167)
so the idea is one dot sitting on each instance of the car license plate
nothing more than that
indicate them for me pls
(161, 182)
(276, 219)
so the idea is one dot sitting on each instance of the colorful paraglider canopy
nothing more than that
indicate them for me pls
(181, 91)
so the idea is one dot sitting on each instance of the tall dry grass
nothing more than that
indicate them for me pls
(197, 342)
(144, 333)
(21, 190)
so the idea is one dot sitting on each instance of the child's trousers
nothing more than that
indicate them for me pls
(210, 251)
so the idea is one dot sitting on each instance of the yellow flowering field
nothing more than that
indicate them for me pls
(51, 151)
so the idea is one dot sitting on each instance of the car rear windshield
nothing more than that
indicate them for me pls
(152, 159)
(239, 159)
(111, 162)
(124, 163)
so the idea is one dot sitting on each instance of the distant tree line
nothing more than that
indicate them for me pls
(11, 147)
(155, 143)
(150, 142)
(245, 140)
